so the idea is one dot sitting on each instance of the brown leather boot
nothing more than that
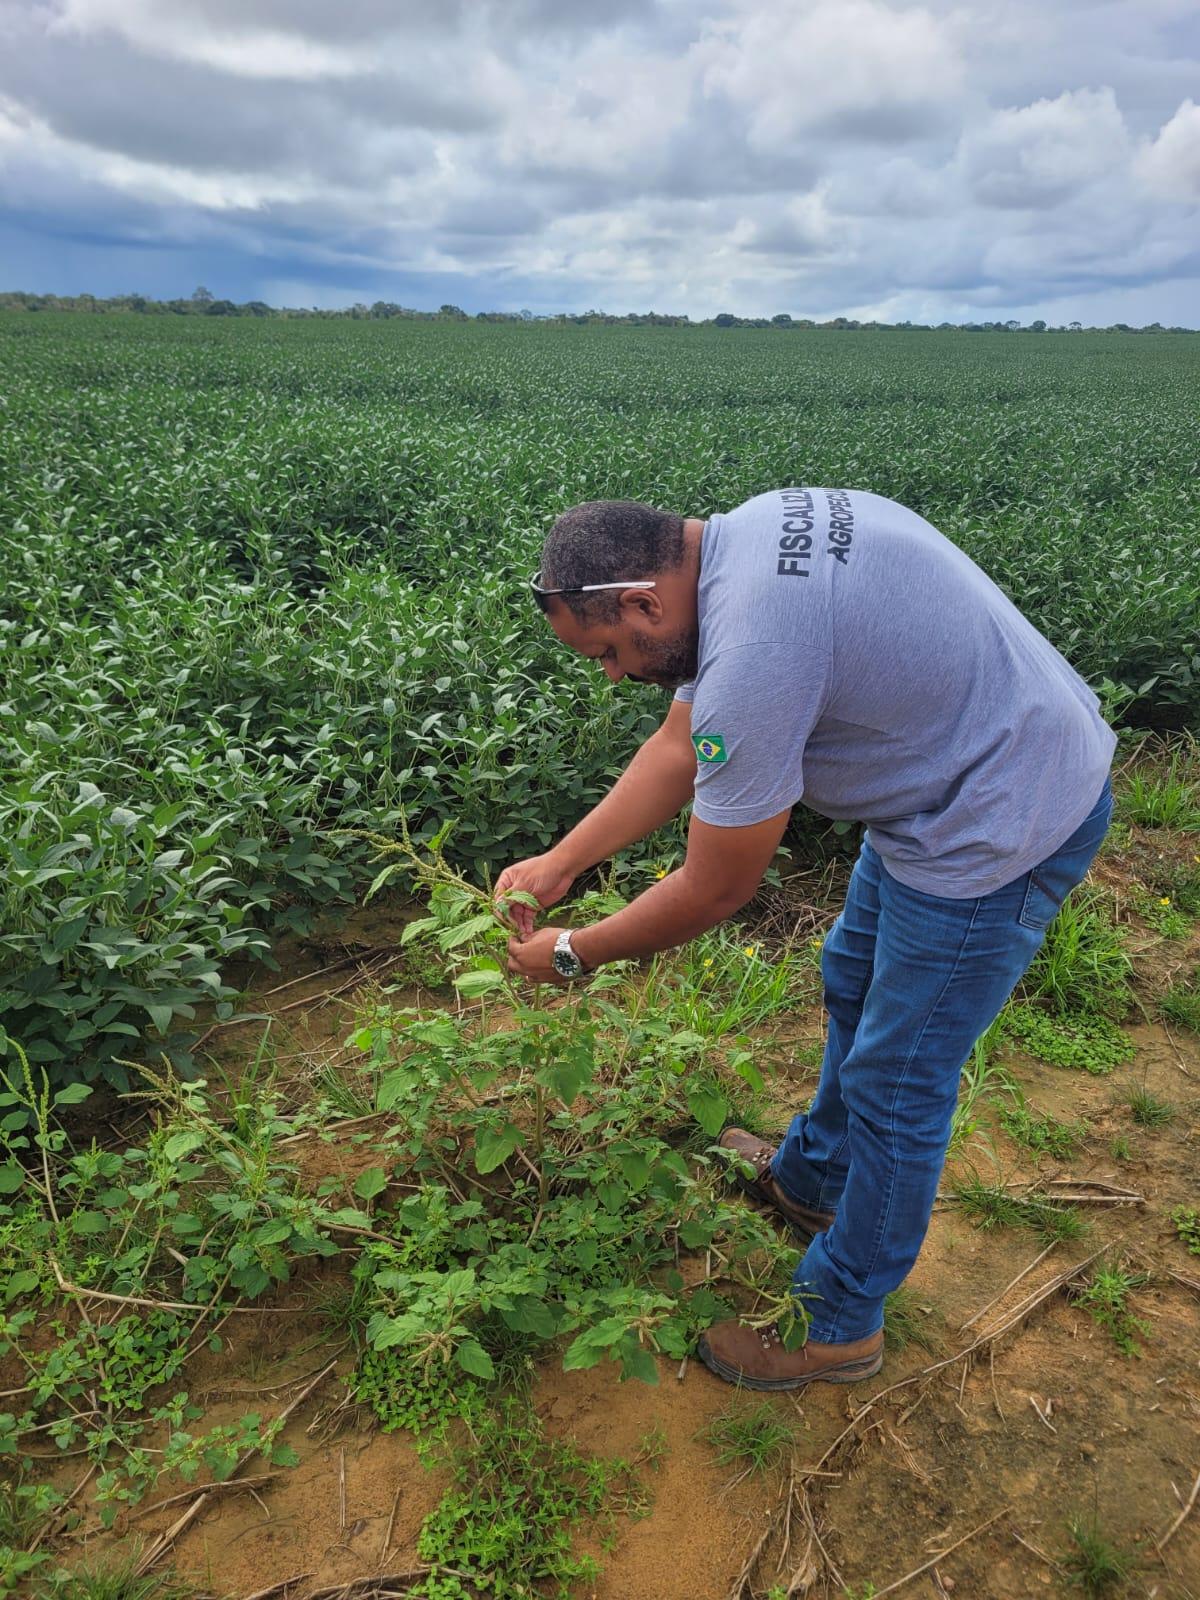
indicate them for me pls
(755, 1358)
(749, 1167)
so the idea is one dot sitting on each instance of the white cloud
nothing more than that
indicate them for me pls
(866, 69)
(1041, 154)
(157, 27)
(1170, 166)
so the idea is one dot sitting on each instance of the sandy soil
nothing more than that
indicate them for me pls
(1048, 1422)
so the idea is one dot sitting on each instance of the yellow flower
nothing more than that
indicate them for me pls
(661, 873)
(1165, 901)
(815, 944)
(708, 961)
(750, 950)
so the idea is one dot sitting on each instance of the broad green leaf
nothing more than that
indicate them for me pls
(477, 982)
(637, 1362)
(709, 1107)
(493, 1146)
(473, 1358)
(370, 1183)
(182, 1144)
(74, 1094)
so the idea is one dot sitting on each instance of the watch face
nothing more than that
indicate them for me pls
(566, 964)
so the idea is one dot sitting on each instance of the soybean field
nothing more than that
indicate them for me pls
(334, 1265)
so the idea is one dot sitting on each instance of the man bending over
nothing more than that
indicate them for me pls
(830, 646)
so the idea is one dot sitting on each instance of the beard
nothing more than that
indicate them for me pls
(668, 662)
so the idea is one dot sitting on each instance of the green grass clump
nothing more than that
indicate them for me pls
(116, 1582)
(1181, 1003)
(727, 981)
(1083, 967)
(1147, 1110)
(1165, 799)
(1105, 1297)
(1092, 1563)
(1042, 1134)
(982, 1074)
(1119, 1147)
(988, 1205)
(1187, 1226)
(1081, 1043)
(906, 1321)
(756, 1437)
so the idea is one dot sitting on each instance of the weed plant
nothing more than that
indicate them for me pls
(1083, 968)
(757, 1438)
(507, 1525)
(1093, 1563)
(981, 1077)
(1187, 1226)
(577, 1106)
(1147, 1109)
(1105, 1297)
(723, 984)
(1082, 1043)
(1181, 1003)
(1165, 798)
(990, 1205)
(1041, 1133)
(114, 1581)
(1179, 882)
(907, 1322)
(1167, 920)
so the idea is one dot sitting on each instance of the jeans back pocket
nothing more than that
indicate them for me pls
(1040, 906)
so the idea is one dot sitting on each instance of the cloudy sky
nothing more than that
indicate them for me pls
(978, 159)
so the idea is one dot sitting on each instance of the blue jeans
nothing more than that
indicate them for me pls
(911, 982)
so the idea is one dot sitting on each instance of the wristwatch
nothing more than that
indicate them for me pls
(566, 963)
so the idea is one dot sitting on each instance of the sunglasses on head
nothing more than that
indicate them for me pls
(541, 595)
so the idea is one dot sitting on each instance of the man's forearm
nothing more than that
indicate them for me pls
(655, 786)
(667, 914)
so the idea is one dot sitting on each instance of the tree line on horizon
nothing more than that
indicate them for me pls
(202, 302)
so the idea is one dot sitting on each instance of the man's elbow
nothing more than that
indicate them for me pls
(716, 902)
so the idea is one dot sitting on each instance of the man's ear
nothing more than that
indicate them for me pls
(643, 605)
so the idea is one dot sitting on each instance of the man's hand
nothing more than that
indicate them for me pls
(532, 956)
(545, 877)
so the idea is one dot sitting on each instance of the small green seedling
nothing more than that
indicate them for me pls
(755, 1437)
(1187, 1226)
(1105, 1297)
(1092, 1563)
(989, 1206)
(906, 1321)
(1147, 1110)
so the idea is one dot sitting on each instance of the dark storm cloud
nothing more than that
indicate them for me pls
(876, 157)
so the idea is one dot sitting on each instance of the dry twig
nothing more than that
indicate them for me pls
(1160, 1544)
(279, 1588)
(1011, 1284)
(387, 1538)
(213, 1488)
(891, 1588)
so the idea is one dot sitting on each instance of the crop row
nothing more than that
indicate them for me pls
(264, 583)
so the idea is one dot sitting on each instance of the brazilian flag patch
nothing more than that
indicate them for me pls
(710, 747)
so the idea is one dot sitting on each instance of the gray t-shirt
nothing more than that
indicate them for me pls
(853, 657)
